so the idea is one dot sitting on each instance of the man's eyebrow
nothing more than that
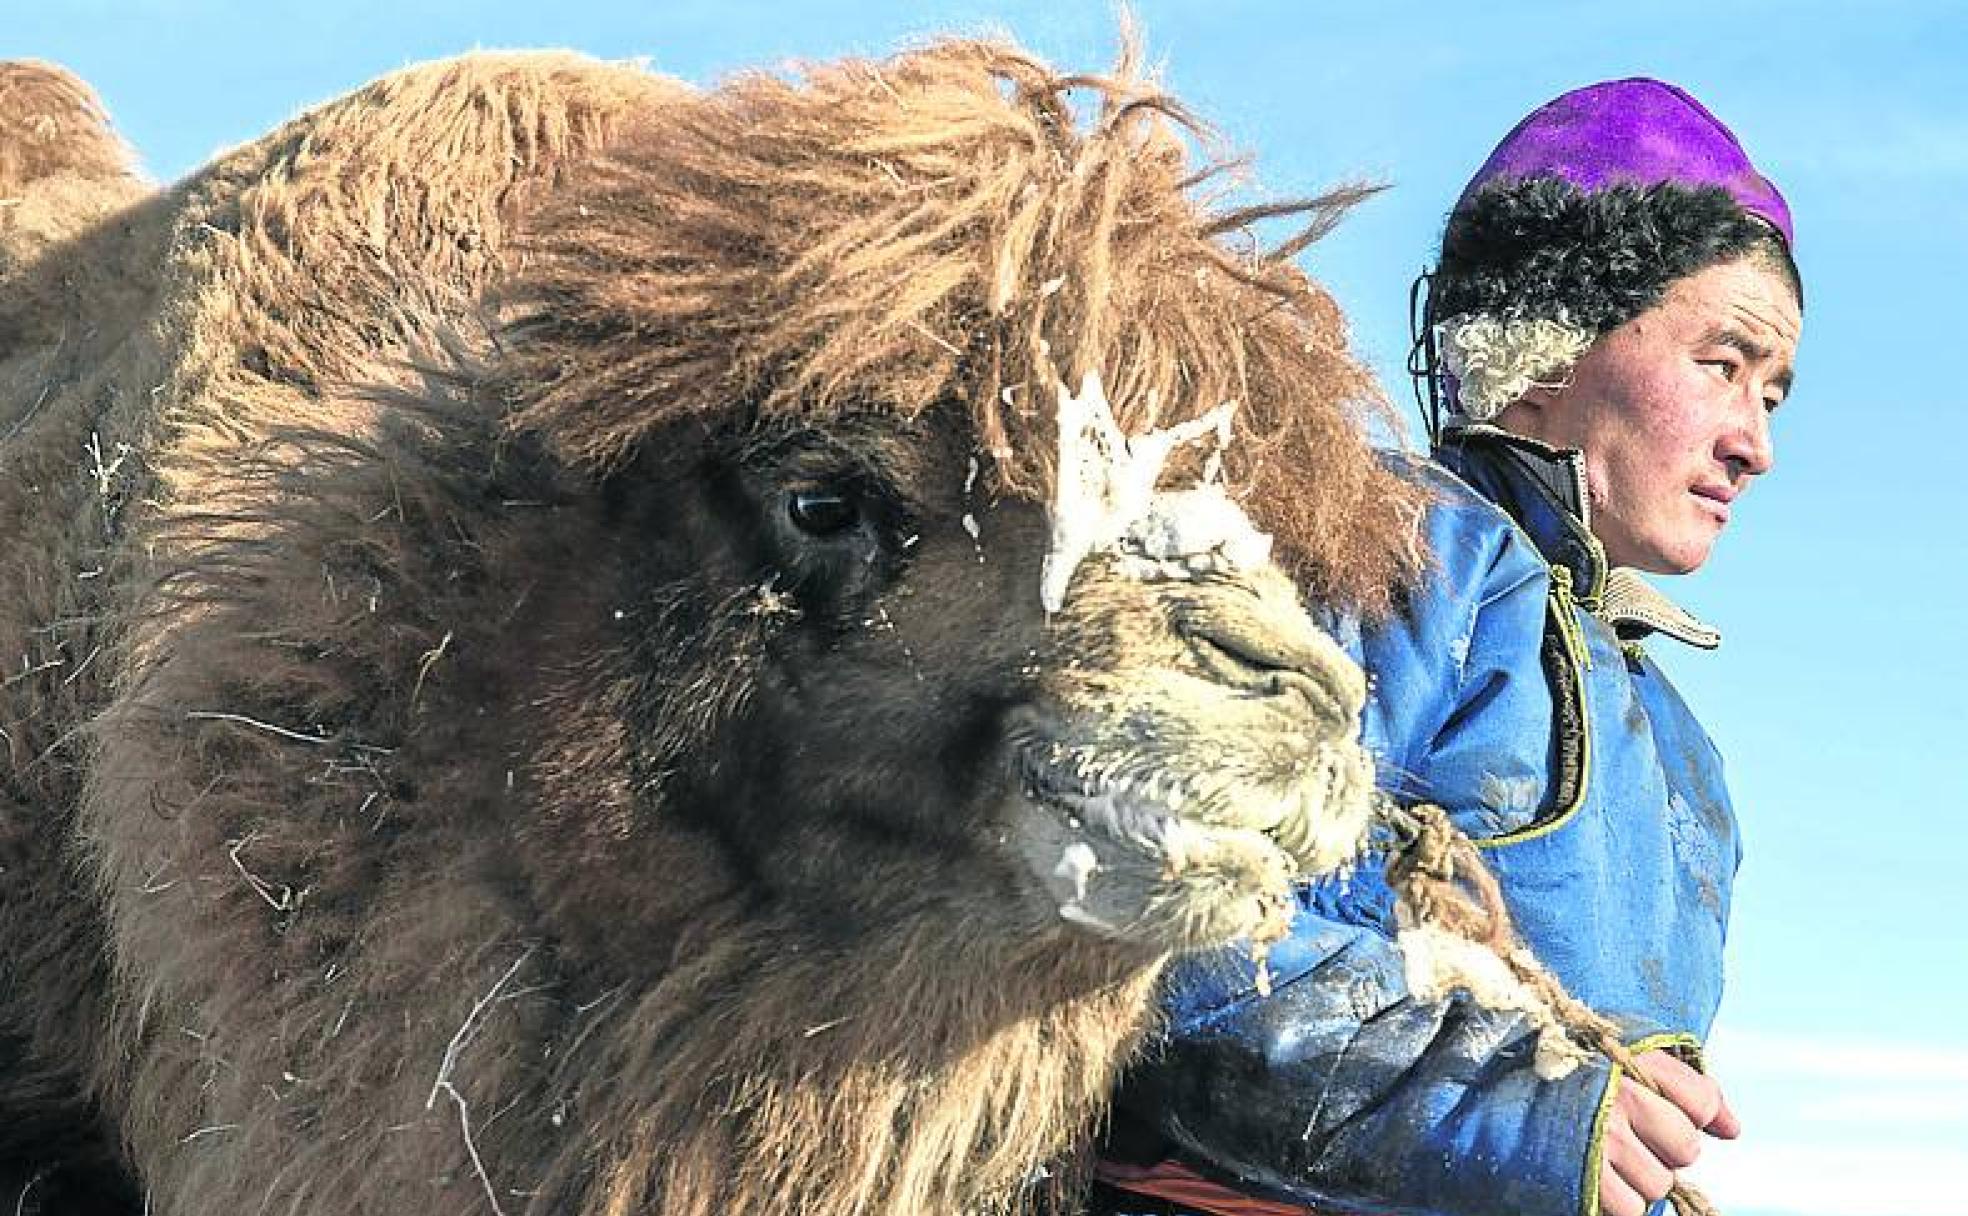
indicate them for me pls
(1736, 339)
(1733, 337)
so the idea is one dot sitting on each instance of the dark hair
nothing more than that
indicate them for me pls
(1531, 246)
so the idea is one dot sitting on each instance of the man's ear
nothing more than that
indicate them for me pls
(1529, 414)
(1544, 397)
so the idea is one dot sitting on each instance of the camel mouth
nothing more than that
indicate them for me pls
(1114, 797)
(1127, 793)
(1163, 850)
(1099, 794)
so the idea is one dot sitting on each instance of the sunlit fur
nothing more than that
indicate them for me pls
(436, 776)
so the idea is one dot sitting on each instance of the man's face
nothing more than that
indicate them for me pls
(1672, 411)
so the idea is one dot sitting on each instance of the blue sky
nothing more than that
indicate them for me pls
(1838, 697)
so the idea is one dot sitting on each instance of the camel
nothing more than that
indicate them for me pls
(577, 644)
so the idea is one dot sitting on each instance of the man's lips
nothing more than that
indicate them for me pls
(1716, 499)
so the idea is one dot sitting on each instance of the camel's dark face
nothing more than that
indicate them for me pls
(835, 660)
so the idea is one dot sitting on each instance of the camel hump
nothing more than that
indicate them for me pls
(53, 124)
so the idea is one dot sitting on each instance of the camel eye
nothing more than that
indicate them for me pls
(822, 512)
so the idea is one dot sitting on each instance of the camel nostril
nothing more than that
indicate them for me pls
(1247, 648)
(1248, 655)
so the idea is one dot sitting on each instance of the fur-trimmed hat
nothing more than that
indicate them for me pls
(1577, 222)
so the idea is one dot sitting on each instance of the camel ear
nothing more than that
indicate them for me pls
(62, 165)
(52, 124)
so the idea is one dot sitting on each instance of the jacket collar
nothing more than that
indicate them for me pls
(1543, 489)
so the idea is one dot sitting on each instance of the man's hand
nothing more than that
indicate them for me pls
(1648, 1137)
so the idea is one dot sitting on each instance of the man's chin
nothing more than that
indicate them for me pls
(1681, 555)
(1684, 558)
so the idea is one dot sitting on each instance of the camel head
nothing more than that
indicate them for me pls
(947, 438)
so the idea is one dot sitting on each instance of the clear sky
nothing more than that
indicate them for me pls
(1842, 587)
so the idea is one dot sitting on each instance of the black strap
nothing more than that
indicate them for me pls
(1423, 359)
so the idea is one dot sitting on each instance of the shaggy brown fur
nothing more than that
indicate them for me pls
(993, 250)
(524, 681)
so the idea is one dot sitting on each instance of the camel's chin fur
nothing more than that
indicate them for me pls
(523, 684)
(1132, 846)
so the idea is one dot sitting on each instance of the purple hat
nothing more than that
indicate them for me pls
(1639, 131)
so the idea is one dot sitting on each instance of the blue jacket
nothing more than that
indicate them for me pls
(1513, 692)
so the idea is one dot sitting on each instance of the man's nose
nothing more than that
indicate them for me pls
(1747, 445)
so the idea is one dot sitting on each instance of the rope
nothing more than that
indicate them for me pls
(1442, 876)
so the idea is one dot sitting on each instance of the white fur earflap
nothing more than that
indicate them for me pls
(1497, 360)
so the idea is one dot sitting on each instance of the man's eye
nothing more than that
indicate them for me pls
(1725, 368)
(822, 512)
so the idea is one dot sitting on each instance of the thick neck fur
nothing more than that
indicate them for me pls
(892, 1081)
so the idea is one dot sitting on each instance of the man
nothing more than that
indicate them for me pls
(1612, 321)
